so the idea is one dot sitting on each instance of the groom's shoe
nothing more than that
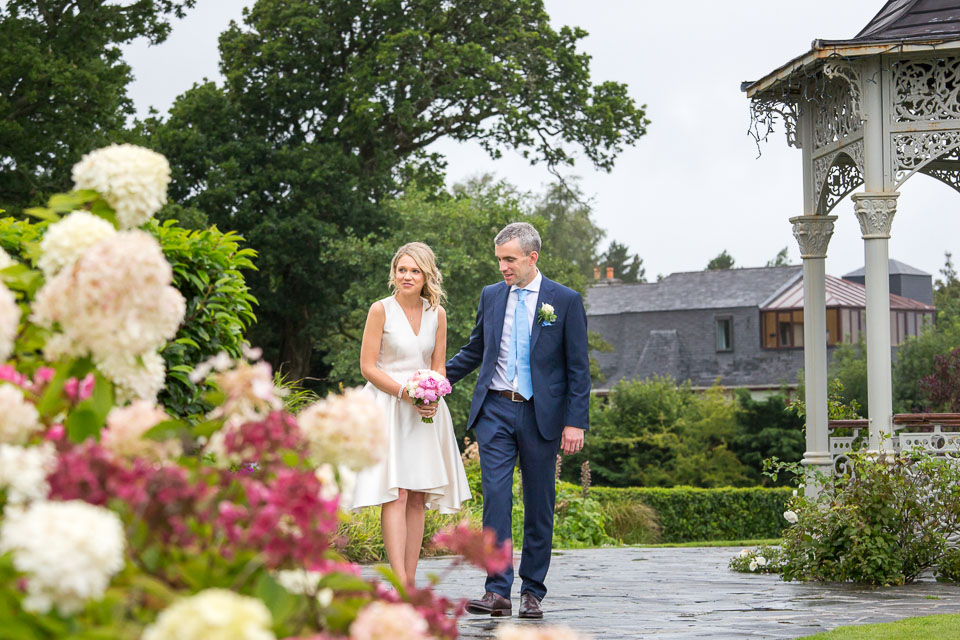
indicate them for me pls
(492, 604)
(530, 606)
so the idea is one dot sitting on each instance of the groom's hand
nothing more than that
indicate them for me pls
(572, 440)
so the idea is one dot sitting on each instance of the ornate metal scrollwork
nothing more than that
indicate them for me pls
(946, 172)
(914, 150)
(837, 174)
(837, 114)
(764, 111)
(851, 73)
(926, 89)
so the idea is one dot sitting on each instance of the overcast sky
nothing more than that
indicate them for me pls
(691, 187)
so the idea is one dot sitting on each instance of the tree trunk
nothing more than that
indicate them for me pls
(295, 346)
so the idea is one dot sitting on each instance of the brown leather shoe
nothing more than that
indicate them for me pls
(530, 606)
(492, 604)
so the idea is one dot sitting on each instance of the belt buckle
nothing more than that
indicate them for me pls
(514, 395)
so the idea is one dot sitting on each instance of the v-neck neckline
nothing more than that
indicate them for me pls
(416, 334)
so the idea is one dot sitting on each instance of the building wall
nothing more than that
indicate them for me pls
(686, 348)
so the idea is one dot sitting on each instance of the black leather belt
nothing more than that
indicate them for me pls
(511, 395)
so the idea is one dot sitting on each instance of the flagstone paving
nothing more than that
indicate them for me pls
(682, 593)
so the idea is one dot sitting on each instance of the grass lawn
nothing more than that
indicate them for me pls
(942, 626)
(770, 542)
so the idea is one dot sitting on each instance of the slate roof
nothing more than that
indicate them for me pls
(911, 20)
(722, 289)
(896, 268)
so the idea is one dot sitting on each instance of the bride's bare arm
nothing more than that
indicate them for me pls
(370, 350)
(439, 360)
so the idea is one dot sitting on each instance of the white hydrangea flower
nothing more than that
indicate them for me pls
(132, 179)
(9, 321)
(299, 581)
(69, 551)
(761, 561)
(5, 259)
(791, 517)
(347, 429)
(116, 304)
(514, 632)
(126, 426)
(66, 240)
(385, 621)
(213, 614)
(24, 471)
(19, 419)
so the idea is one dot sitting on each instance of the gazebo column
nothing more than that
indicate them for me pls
(875, 212)
(813, 233)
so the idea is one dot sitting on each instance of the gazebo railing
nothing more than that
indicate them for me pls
(936, 433)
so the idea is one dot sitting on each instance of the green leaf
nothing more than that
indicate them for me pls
(346, 582)
(42, 213)
(280, 601)
(166, 430)
(83, 423)
(206, 429)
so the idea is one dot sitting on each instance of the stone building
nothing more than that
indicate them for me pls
(743, 326)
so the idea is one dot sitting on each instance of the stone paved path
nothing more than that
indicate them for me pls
(682, 593)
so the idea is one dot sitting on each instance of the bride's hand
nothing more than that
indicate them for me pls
(426, 410)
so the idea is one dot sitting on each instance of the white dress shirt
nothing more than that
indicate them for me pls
(500, 382)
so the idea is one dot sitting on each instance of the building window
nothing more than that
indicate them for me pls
(725, 334)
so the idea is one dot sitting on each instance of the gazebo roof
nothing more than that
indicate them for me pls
(910, 25)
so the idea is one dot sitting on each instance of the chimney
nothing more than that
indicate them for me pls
(609, 273)
(596, 273)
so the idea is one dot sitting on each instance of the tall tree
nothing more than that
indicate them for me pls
(570, 230)
(625, 267)
(330, 107)
(782, 259)
(63, 85)
(722, 261)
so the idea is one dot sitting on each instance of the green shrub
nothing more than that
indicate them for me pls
(577, 521)
(881, 521)
(763, 559)
(631, 522)
(688, 514)
(949, 567)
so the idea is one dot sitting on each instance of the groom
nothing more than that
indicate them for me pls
(531, 400)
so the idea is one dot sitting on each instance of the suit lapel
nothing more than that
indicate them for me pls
(544, 296)
(499, 309)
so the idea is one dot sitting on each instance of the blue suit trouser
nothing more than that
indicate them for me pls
(506, 431)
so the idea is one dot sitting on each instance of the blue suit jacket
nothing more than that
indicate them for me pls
(560, 366)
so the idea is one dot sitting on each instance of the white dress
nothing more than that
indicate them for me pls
(421, 457)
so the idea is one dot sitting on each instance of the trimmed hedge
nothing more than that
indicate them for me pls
(689, 514)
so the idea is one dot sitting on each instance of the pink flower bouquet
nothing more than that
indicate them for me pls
(426, 387)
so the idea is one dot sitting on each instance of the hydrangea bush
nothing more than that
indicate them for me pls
(120, 521)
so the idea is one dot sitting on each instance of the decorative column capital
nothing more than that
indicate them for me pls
(875, 211)
(813, 233)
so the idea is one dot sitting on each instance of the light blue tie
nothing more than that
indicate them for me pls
(518, 355)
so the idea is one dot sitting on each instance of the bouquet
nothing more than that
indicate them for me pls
(427, 386)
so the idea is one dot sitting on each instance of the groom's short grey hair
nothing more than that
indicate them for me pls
(522, 231)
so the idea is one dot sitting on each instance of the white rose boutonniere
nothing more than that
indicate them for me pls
(545, 315)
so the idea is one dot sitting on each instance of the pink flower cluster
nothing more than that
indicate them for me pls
(477, 546)
(441, 614)
(263, 442)
(426, 387)
(75, 390)
(286, 519)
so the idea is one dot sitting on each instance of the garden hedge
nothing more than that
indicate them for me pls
(689, 514)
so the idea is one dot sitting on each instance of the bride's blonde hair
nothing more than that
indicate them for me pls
(432, 279)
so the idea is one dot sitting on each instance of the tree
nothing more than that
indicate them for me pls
(570, 232)
(766, 428)
(625, 267)
(63, 85)
(328, 110)
(946, 292)
(722, 261)
(942, 387)
(782, 259)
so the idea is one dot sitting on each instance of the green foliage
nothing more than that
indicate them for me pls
(763, 559)
(63, 85)
(948, 570)
(690, 514)
(625, 267)
(570, 232)
(782, 259)
(722, 261)
(881, 521)
(631, 522)
(578, 522)
(207, 269)
(328, 110)
(655, 432)
(766, 428)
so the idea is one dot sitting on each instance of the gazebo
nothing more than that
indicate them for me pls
(873, 111)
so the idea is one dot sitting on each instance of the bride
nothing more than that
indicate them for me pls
(422, 470)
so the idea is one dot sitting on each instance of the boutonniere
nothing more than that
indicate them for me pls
(545, 315)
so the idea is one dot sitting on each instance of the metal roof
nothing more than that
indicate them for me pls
(896, 268)
(840, 293)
